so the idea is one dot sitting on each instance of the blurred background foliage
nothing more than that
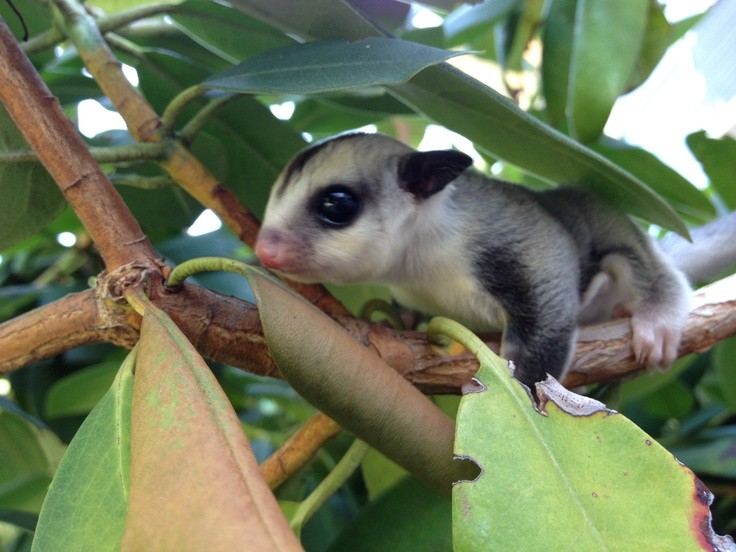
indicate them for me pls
(563, 65)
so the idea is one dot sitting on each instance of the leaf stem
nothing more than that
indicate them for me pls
(195, 125)
(114, 154)
(178, 103)
(53, 36)
(138, 299)
(330, 484)
(440, 327)
(205, 264)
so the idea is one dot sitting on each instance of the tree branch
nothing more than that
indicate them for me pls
(228, 330)
(145, 125)
(39, 116)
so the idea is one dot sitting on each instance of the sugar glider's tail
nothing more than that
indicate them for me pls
(711, 253)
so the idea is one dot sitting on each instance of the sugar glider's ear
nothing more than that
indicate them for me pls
(424, 173)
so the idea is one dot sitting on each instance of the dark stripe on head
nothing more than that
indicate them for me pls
(303, 157)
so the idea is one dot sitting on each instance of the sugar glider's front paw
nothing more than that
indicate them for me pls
(655, 338)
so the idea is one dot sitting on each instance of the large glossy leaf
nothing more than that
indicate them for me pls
(464, 105)
(93, 478)
(326, 66)
(31, 199)
(226, 32)
(667, 182)
(314, 20)
(607, 40)
(331, 115)
(120, 5)
(195, 484)
(494, 123)
(577, 476)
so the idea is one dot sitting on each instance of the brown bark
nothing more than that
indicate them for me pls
(228, 330)
(39, 116)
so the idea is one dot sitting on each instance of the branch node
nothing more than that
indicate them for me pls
(76, 182)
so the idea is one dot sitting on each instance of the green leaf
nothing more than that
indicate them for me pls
(406, 518)
(667, 182)
(257, 145)
(675, 400)
(472, 109)
(658, 36)
(120, 5)
(226, 32)
(78, 393)
(327, 66)
(93, 478)
(330, 115)
(24, 520)
(576, 476)
(715, 457)
(494, 123)
(607, 40)
(558, 36)
(65, 78)
(34, 13)
(308, 20)
(164, 74)
(718, 158)
(467, 22)
(380, 473)
(29, 457)
(723, 362)
(31, 199)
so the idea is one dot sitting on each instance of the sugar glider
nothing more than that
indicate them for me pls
(450, 241)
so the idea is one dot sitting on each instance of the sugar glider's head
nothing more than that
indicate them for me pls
(340, 210)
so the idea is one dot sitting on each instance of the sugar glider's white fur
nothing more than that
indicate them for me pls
(448, 240)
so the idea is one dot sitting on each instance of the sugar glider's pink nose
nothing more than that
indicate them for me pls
(273, 250)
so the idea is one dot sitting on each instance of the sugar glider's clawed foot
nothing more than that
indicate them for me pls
(655, 339)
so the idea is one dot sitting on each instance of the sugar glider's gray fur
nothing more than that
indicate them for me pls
(448, 240)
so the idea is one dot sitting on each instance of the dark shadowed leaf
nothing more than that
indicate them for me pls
(30, 198)
(718, 158)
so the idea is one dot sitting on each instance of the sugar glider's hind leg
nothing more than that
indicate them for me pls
(656, 296)
(658, 320)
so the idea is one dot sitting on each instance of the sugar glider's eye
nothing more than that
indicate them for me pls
(337, 205)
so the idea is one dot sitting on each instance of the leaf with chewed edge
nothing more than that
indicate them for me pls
(195, 484)
(572, 475)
